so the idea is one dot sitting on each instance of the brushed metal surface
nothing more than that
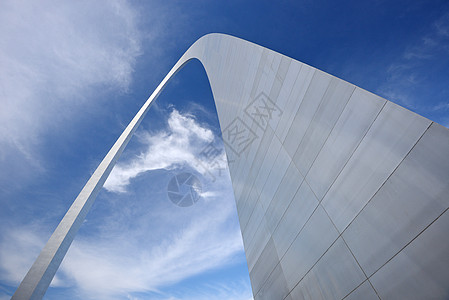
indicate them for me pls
(334, 276)
(354, 122)
(312, 98)
(377, 156)
(413, 197)
(365, 291)
(324, 119)
(290, 183)
(312, 242)
(427, 275)
(294, 218)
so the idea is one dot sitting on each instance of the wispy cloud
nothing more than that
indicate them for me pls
(16, 257)
(128, 263)
(415, 67)
(443, 106)
(180, 144)
(53, 54)
(231, 290)
(433, 43)
(122, 260)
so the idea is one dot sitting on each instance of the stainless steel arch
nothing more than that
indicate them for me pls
(337, 189)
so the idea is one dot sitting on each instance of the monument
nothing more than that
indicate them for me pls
(340, 193)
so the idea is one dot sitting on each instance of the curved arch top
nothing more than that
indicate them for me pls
(340, 193)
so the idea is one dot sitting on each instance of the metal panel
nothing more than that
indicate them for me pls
(295, 217)
(333, 277)
(307, 109)
(249, 173)
(256, 246)
(415, 194)
(314, 239)
(420, 270)
(248, 208)
(268, 163)
(274, 178)
(295, 99)
(264, 266)
(260, 70)
(388, 141)
(351, 127)
(365, 291)
(254, 223)
(256, 235)
(290, 183)
(250, 162)
(275, 287)
(280, 80)
(332, 105)
(288, 84)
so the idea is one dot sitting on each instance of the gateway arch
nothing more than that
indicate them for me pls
(340, 193)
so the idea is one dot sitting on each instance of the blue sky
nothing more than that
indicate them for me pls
(74, 73)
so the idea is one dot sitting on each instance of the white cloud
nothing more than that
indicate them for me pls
(230, 290)
(18, 248)
(52, 55)
(180, 144)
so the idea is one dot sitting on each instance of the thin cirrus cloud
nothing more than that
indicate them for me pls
(412, 69)
(14, 263)
(52, 53)
(118, 262)
(127, 264)
(180, 144)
